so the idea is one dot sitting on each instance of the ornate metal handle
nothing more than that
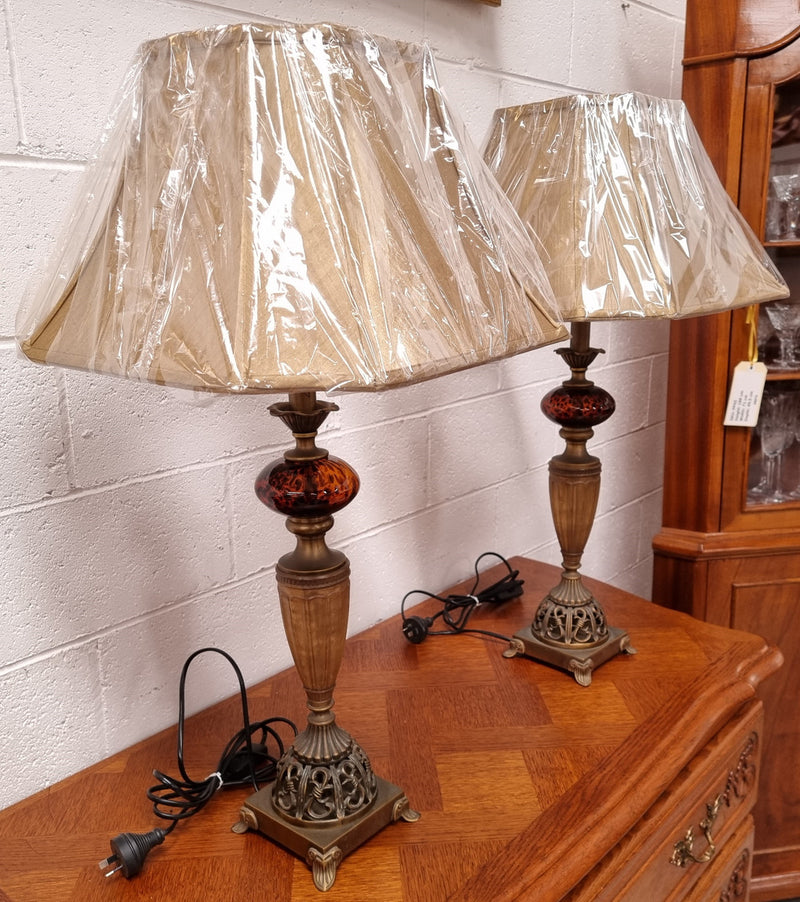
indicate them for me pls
(683, 852)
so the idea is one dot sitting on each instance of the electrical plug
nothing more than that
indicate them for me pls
(129, 850)
(415, 629)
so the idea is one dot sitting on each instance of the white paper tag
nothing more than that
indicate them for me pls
(744, 398)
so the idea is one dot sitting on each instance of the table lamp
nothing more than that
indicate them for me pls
(293, 209)
(634, 224)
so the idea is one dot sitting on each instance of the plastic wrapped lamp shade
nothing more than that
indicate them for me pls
(288, 208)
(625, 200)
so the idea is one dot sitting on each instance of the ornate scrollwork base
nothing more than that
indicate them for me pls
(316, 792)
(580, 625)
(577, 660)
(323, 845)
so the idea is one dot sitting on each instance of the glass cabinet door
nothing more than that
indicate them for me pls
(774, 453)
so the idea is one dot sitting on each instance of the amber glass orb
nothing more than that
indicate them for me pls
(307, 488)
(581, 407)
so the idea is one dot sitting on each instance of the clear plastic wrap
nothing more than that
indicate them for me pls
(288, 208)
(631, 214)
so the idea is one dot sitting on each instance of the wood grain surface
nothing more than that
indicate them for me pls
(524, 779)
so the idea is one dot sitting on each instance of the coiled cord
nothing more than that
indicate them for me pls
(246, 760)
(457, 610)
(243, 761)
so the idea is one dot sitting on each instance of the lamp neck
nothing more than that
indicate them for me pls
(579, 356)
(303, 414)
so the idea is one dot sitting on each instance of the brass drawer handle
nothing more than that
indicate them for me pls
(683, 853)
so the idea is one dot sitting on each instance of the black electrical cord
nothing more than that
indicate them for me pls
(456, 610)
(243, 762)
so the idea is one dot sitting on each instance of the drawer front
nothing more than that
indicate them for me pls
(728, 877)
(687, 829)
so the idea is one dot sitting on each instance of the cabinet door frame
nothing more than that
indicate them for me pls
(765, 75)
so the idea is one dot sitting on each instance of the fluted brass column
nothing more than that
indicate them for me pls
(570, 629)
(325, 800)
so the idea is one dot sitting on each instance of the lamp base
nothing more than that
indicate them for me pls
(324, 846)
(325, 801)
(569, 630)
(580, 661)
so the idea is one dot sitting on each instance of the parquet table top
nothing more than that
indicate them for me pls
(524, 779)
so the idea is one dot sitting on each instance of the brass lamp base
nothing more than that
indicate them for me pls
(578, 660)
(570, 630)
(324, 846)
(326, 800)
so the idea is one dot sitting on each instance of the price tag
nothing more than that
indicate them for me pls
(744, 398)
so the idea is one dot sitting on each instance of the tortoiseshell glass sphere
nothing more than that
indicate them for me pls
(579, 406)
(307, 488)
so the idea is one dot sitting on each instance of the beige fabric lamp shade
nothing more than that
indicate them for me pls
(288, 208)
(632, 216)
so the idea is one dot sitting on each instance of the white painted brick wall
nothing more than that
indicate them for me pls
(130, 532)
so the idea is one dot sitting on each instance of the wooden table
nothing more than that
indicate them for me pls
(530, 786)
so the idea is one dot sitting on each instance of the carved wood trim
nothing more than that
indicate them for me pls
(746, 53)
(737, 887)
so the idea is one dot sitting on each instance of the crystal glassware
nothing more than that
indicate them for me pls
(785, 319)
(783, 207)
(776, 430)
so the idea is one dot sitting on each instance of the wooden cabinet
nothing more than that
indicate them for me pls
(531, 787)
(729, 551)
(701, 823)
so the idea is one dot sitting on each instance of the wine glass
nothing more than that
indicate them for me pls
(785, 319)
(776, 429)
(783, 207)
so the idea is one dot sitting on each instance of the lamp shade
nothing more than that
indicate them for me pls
(288, 208)
(632, 216)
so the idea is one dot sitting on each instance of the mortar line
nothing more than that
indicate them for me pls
(33, 161)
(13, 69)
